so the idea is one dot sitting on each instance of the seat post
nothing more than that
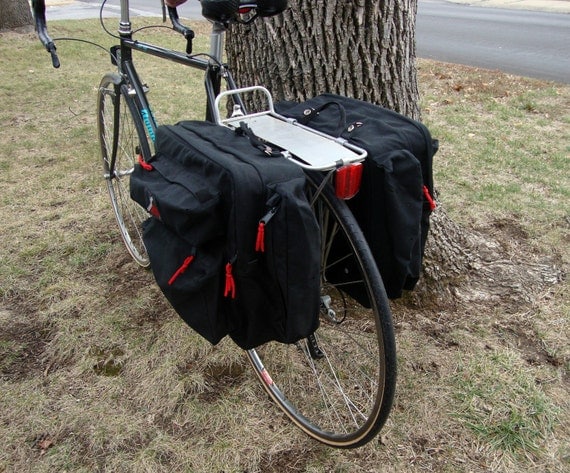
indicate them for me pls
(216, 40)
(125, 24)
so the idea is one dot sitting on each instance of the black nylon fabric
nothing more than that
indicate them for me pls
(195, 295)
(390, 207)
(185, 201)
(227, 186)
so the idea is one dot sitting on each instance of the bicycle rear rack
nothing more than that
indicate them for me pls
(307, 147)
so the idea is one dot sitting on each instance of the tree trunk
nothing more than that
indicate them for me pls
(363, 49)
(15, 14)
(366, 49)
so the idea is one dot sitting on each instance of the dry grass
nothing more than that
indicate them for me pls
(99, 374)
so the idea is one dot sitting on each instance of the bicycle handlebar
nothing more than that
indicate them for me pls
(266, 8)
(180, 28)
(39, 10)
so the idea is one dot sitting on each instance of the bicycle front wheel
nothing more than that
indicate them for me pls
(338, 385)
(122, 138)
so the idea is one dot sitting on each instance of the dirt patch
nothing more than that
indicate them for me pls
(522, 339)
(219, 378)
(492, 266)
(293, 460)
(22, 343)
(509, 229)
(509, 270)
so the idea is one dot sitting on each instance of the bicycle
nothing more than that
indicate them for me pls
(338, 384)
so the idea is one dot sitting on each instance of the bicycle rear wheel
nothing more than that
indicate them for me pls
(122, 138)
(339, 386)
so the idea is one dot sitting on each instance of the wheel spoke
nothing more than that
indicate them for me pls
(339, 387)
(122, 136)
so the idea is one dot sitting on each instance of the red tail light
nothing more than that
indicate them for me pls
(347, 180)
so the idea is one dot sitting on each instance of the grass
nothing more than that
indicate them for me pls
(502, 129)
(98, 373)
(500, 401)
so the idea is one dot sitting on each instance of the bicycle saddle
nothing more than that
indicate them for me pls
(224, 11)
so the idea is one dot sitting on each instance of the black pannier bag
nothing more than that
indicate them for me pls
(395, 201)
(233, 243)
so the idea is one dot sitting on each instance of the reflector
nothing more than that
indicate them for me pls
(347, 180)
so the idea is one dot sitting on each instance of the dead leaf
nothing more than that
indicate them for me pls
(44, 445)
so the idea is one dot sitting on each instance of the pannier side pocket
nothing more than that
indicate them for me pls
(391, 220)
(178, 197)
(189, 277)
(257, 303)
(292, 255)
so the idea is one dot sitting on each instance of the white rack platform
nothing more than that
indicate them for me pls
(305, 146)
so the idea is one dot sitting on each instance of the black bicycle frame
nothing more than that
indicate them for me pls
(214, 69)
(214, 72)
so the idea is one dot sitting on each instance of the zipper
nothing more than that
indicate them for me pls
(273, 204)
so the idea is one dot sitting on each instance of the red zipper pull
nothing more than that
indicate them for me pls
(181, 269)
(146, 166)
(152, 208)
(230, 289)
(260, 240)
(429, 198)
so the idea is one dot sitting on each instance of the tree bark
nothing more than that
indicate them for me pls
(363, 49)
(366, 49)
(15, 14)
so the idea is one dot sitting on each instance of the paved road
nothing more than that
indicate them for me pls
(81, 9)
(528, 43)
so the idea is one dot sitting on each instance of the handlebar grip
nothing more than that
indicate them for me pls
(54, 59)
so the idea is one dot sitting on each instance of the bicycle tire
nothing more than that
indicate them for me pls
(344, 398)
(122, 138)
